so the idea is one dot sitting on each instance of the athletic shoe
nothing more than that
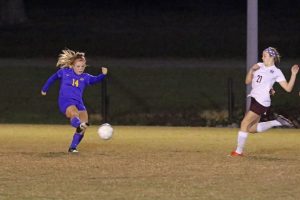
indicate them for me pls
(235, 154)
(73, 150)
(284, 121)
(82, 127)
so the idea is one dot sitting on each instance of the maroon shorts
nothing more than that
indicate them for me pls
(257, 107)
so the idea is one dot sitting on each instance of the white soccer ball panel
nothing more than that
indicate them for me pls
(105, 131)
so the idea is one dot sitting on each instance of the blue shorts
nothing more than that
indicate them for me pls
(64, 103)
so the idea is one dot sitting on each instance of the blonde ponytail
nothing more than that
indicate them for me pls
(68, 57)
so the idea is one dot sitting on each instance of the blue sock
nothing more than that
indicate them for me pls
(75, 122)
(81, 137)
(76, 140)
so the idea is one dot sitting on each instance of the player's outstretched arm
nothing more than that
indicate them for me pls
(48, 83)
(288, 86)
(99, 78)
(249, 75)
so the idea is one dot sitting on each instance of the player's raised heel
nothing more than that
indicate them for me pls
(284, 121)
(235, 154)
(82, 127)
(71, 150)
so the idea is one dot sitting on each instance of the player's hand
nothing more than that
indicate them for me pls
(272, 92)
(104, 70)
(43, 93)
(295, 69)
(255, 67)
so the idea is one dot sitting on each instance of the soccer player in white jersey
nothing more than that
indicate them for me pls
(263, 76)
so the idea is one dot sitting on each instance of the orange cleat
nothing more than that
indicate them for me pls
(235, 154)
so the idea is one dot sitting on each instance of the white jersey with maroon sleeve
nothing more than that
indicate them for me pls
(262, 82)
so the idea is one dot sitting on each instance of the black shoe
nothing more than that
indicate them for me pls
(71, 150)
(82, 127)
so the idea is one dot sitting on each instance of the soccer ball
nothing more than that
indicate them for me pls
(105, 131)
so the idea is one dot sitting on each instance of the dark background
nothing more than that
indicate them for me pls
(170, 61)
(150, 28)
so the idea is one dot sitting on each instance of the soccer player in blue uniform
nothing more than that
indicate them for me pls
(73, 82)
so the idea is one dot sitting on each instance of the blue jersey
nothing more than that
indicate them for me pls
(72, 85)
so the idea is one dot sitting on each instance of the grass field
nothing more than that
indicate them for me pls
(147, 163)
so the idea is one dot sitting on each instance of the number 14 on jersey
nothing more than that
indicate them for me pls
(75, 83)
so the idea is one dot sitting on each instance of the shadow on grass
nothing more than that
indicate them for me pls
(53, 154)
(268, 158)
(46, 154)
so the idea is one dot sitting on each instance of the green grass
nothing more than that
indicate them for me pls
(147, 163)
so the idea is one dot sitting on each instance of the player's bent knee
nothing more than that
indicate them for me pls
(252, 131)
(72, 114)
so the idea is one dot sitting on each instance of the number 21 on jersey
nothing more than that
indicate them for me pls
(259, 78)
(75, 83)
